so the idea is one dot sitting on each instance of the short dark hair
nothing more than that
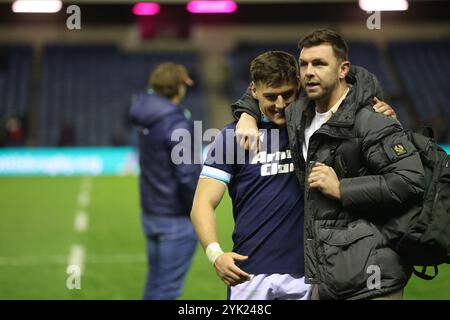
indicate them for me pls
(166, 78)
(322, 36)
(274, 68)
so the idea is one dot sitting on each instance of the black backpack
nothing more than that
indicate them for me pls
(422, 235)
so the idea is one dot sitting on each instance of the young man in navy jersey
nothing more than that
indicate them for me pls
(267, 258)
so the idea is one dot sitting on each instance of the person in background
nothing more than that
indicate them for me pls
(166, 189)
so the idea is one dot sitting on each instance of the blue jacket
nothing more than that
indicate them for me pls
(166, 189)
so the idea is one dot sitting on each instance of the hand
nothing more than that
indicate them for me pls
(228, 271)
(325, 180)
(384, 108)
(247, 134)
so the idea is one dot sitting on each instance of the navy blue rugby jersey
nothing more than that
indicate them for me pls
(267, 200)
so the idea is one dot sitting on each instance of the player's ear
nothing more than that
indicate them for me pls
(344, 69)
(253, 90)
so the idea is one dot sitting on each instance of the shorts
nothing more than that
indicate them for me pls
(271, 287)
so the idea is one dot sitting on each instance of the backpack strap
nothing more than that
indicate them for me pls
(422, 274)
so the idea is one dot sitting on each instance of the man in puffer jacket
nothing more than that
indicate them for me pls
(166, 189)
(358, 170)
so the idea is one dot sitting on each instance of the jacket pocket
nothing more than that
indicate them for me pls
(345, 256)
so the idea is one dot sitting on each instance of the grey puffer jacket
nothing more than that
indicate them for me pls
(381, 176)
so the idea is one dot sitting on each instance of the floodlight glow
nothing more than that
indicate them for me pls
(383, 5)
(146, 8)
(226, 6)
(36, 6)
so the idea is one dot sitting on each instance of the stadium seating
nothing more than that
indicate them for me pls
(424, 68)
(90, 88)
(366, 54)
(15, 76)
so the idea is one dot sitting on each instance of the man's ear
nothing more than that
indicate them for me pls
(344, 69)
(253, 90)
(181, 91)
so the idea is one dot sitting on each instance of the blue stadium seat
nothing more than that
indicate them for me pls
(15, 77)
(91, 86)
(424, 68)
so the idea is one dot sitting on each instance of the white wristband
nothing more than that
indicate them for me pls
(213, 251)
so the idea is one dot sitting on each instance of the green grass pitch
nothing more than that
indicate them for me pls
(37, 233)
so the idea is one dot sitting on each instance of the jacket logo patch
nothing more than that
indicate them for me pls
(399, 149)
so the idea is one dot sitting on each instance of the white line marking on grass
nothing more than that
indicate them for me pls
(32, 260)
(83, 199)
(61, 259)
(85, 191)
(86, 184)
(77, 252)
(81, 221)
(76, 257)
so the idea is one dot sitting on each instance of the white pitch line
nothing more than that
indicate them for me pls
(60, 259)
(32, 260)
(83, 199)
(86, 184)
(81, 221)
(77, 252)
(76, 257)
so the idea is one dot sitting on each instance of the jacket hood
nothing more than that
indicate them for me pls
(148, 108)
(366, 85)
